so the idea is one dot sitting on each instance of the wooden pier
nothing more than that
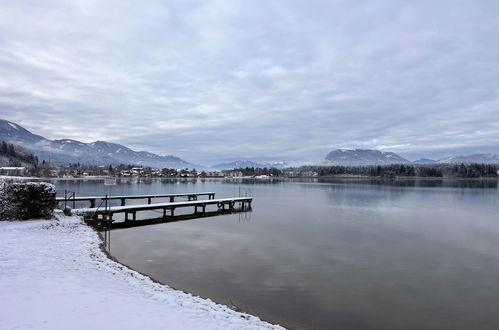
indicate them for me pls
(168, 209)
(92, 199)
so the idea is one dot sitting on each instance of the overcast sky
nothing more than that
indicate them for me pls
(212, 81)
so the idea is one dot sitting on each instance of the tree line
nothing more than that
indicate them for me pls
(254, 171)
(401, 170)
(17, 155)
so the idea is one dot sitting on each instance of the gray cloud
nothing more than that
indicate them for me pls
(220, 80)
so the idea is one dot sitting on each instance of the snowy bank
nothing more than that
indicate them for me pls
(53, 275)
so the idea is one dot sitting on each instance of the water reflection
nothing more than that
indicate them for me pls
(443, 183)
(327, 253)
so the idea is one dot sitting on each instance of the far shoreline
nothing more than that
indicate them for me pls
(96, 178)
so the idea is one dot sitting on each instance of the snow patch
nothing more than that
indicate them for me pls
(14, 126)
(53, 275)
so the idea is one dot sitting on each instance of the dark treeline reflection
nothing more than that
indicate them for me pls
(443, 183)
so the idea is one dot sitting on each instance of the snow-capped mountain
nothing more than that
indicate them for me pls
(248, 163)
(475, 158)
(72, 151)
(363, 157)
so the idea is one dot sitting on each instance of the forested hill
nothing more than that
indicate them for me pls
(14, 155)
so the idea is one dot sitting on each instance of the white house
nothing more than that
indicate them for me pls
(12, 171)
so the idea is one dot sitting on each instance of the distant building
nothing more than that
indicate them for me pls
(235, 174)
(12, 171)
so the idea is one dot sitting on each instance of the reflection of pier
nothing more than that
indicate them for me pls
(183, 217)
(92, 199)
(167, 209)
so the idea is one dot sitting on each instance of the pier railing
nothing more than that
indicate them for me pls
(172, 197)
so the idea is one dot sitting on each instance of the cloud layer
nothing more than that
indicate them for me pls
(268, 80)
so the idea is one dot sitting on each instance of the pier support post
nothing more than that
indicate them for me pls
(92, 203)
(164, 213)
(172, 212)
(134, 216)
(149, 200)
(122, 202)
(172, 199)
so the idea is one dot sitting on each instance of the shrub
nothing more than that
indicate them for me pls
(26, 200)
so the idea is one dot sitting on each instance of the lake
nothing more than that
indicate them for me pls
(329, 253)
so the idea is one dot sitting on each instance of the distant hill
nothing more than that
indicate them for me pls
(425, 161)
(248, 163)
(363, 157)
(16, 156)
(72, 151)
(475, 158)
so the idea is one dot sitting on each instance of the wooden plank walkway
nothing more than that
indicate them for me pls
(130, 211)
(92, 199)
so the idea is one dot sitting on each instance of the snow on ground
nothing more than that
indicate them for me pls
(53, 275)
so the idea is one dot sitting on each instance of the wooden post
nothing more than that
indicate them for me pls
(164, 213)
(149, 200)
(172, 199)
(123, 202)
(134, 215)
(126, 216)
(92, 202)
(172, 212)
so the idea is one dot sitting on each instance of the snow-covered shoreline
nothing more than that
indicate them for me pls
(53, 275)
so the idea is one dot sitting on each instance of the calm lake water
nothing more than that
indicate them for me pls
(329, 254)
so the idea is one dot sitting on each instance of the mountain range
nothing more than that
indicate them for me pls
(105, 153)
(248, 163)
(363, 157)
(71, 151)
(376, 157)
(475, 158)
